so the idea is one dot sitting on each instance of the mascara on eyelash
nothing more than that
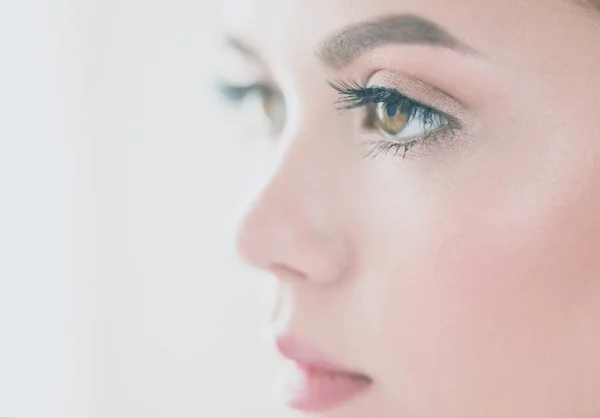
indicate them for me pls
(354, 95)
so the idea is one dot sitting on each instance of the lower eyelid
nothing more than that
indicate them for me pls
(421, 146)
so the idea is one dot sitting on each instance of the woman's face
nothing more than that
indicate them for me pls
(442, 237)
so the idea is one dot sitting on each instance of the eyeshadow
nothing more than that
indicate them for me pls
(420, 91)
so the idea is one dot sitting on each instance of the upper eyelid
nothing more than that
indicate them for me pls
(237, 92)
(410, 99)
(410, 86)
(354, 92)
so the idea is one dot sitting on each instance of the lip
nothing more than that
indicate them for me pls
(314, 383)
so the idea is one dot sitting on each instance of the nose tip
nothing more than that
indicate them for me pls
(289, 246)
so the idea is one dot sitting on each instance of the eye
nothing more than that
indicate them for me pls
(404, 119)
(259, 103)
(400, 121)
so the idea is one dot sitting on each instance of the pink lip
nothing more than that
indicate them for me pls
(316, 383)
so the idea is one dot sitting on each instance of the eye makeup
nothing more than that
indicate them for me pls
(401, 113)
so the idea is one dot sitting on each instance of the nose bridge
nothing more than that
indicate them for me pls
(289, 226)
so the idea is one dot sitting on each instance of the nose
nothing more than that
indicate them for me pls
(290, 227)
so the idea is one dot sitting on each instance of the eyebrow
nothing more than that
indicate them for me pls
(592, 5)
(239, 46)
(347, 44)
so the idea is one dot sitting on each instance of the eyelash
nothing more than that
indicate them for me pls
(354, 95)
(236, 94)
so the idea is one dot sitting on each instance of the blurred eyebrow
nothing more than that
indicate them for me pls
(592, 5)
(347, 44)
(238, 45)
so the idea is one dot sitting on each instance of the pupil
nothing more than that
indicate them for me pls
(391, 110)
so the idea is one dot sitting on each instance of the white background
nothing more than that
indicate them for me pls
(118, 294)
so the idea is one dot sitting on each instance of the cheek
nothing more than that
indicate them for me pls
(469, 323)
(486, 303)
(493, 293)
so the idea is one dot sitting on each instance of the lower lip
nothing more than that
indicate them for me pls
(316, 390)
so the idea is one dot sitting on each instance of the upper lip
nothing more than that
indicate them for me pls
(305, 355)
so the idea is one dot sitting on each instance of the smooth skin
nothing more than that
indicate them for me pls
(464, 278)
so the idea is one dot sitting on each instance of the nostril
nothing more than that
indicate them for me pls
(283, 272)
